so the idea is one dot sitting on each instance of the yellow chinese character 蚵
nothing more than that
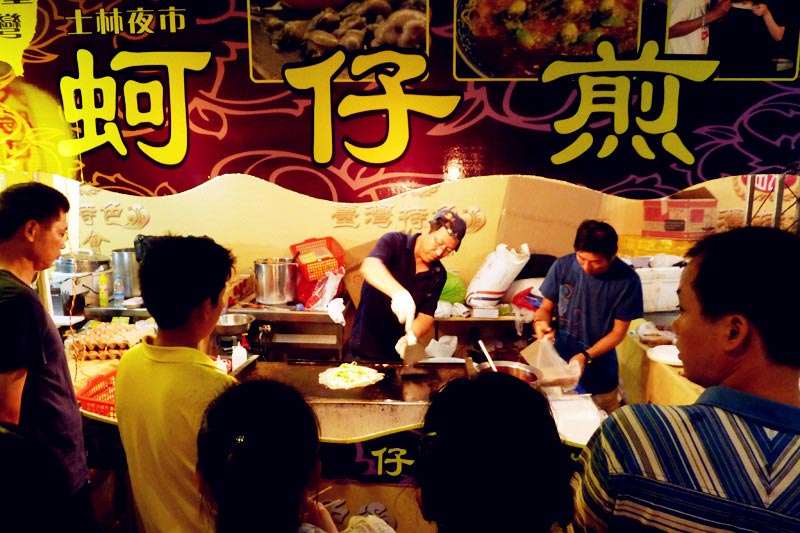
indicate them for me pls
(82, 107)
(90, 102)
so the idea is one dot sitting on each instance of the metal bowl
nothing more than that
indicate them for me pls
(233, 324)
(526, 373)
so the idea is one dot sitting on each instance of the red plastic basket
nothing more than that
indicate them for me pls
(98, 396)
(312, 259)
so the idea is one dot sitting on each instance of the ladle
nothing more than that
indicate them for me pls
(486, 354)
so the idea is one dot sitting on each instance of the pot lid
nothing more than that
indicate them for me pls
(84, 255)
(82, 261)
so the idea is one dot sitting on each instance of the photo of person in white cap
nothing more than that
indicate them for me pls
(403, 279)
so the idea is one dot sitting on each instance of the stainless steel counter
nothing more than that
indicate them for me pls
(294, 335)
(393, 404)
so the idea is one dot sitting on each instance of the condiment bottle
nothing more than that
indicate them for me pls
(102, 290)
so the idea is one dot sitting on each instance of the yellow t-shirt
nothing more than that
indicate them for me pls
(161, 395)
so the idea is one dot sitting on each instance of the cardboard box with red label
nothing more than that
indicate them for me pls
(688, 215)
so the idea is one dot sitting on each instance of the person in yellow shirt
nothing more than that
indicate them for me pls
(164, 384)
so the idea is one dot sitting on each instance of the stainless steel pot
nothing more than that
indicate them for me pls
(526, 373)
(125, 264)
(276, 280)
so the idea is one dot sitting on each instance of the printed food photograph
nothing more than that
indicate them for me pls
(290, 31)
(516, 38)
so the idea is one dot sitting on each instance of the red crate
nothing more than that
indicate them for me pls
(98, 395)
(317, 262)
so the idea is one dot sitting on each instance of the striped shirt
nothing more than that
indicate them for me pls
(729, 462)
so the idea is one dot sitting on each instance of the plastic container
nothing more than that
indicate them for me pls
(98, 396)
(317, 256)
(119, 291)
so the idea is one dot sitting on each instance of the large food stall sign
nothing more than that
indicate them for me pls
(372, 98)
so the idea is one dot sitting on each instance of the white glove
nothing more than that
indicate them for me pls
(404, 308)
(400, 347)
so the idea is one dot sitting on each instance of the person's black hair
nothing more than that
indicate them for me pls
(178, 274)
(491, 458)
(257, 451)
(752, 271)
(596, 237)
(29, 201)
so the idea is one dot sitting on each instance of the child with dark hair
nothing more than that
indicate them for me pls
(486, 442)
(164, 384)
(258, 456)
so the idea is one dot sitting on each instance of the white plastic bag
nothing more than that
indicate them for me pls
(444, 347)
(326, 290)
(496, 274)
(556, 372)
(443, 309)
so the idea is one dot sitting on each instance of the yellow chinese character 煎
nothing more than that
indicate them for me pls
(611, 95)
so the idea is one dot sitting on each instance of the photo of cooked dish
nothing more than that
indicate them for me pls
(515, 38)
(297, 30)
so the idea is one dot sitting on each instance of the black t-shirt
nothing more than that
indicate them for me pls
(49, 413)
(375, 328)
(744, 46)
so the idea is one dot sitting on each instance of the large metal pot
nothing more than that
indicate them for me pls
(124, 262)
(276, 280)
(87, 269)
(526, 373)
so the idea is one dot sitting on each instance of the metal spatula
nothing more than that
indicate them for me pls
(414, 351)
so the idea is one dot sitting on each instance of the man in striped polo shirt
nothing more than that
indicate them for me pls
(731, 460)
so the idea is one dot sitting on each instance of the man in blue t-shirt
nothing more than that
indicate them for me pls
(403, 279)
(593, 296)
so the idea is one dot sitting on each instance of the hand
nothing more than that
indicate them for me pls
(542, 329)
(316, 514)
(577, 363)
(404, 308)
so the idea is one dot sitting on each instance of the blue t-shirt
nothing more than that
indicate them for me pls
(587, 306)
(49, 414)
(375, 327)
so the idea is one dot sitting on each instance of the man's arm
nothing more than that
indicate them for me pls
(11, 385)
(685, 27)
(422, 324)
(541, 320)
(403, 306)
(775, 30)
(607, 343)
(376, 273)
